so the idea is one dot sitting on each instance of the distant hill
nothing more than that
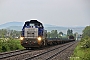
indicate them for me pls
(18, 26)
(13, 24)
(48, 25)
(8, 24)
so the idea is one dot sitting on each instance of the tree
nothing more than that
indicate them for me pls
(48, 34)
(86, 31)
(3, 32)
(69, 32)
(54, 34)
(60, 34)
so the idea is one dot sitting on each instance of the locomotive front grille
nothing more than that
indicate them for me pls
(31, 32)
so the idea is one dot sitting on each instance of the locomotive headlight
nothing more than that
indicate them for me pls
(21, 38)
(39, 38)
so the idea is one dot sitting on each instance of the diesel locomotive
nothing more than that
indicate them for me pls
(33, 34)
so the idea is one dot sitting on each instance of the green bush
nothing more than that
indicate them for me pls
(9, 45)
(85, 42)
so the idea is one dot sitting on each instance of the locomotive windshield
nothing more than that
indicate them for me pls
(33, 24)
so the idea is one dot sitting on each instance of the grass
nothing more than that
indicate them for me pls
(81, 53)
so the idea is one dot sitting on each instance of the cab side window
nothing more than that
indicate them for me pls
(41, 26)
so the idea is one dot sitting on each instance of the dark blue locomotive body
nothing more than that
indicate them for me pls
(33, 34)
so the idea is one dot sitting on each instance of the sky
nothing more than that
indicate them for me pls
(67, 13)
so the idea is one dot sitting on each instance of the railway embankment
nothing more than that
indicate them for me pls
(82, 51)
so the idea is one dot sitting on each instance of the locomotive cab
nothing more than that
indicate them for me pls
(32, 34)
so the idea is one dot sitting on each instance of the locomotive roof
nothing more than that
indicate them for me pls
(33, 21)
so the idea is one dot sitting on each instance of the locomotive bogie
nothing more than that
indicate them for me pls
(30, 42)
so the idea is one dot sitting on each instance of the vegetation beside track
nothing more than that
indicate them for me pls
(10, 44)
(82, 51)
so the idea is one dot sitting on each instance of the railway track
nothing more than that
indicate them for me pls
(13, 53)
(51, 53)
(46, 53)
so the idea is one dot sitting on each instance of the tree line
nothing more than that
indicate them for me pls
(56, 34)
(6, 33)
